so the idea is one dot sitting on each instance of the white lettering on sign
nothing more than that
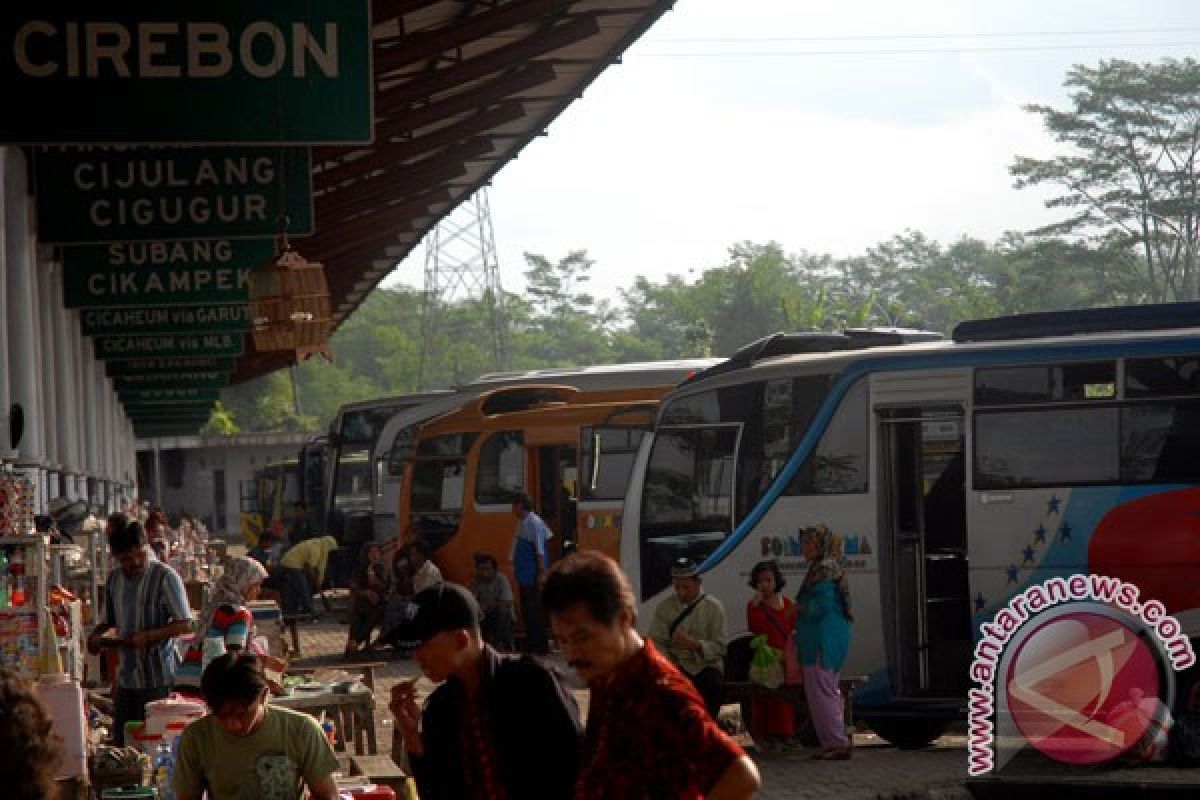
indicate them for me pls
(134, 283)
(156, 173)
(146, 211)
(104, 49)
(200, 251)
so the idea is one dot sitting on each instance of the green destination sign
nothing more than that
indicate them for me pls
(153, 366)
(110, 348)
(166, 319)
(159, 411)
(187, 72)
(115, 194)
(201, 379)
(157, 396)
(173, 274)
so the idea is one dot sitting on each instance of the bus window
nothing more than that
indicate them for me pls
(1046, 447)
(687, 498)
(501, 472)
(401, 451)
(1162, 377)
(438, 481)
(1159, 443)
(1046, 384)
(607, 461)
(838, 465)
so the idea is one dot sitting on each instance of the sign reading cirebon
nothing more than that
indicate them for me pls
(191, 71)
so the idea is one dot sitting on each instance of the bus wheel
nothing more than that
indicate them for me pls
(907, 734)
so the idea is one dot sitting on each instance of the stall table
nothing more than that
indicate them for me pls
(352, 712)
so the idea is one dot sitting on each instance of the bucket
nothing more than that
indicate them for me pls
(175, 708)
(63, 700)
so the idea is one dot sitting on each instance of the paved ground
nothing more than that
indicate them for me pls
(877, 770)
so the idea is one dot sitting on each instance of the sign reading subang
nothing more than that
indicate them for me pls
(161, 273)
(166, 319)
(191, 72)
(216, 344)
(151, 193)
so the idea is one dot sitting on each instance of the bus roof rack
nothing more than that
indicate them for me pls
(1041, 324)
(776, 344)
(862, 338)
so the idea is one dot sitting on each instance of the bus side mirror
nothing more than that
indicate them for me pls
(379, 477)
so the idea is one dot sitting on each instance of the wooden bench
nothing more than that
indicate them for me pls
(382, 770)
(742, 691)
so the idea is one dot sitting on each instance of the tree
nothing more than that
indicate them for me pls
(220, 423)
(1130, 177)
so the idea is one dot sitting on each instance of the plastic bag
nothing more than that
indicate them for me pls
(766, 666)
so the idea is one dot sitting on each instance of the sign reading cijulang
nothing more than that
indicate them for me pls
(191, 71)
(113, 194)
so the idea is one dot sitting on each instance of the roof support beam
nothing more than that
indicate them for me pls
(429, 84)
(392, 54)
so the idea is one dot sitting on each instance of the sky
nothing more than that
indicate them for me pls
(827, 127)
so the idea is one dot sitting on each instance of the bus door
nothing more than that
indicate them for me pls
(924, 521)
(556, 494)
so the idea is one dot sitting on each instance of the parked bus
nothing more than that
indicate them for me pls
(956, 474)
(394, 447)
(267, 497)
(352, 436)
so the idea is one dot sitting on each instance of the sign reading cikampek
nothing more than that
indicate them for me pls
(188, 72)
(113, 194)
(161, 273)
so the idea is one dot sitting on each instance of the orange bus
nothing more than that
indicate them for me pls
(570, 450)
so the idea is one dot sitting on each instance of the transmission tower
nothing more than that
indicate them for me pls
(460, 264)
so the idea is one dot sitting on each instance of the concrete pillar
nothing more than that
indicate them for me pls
(21, 299)
(48, 386)
(83, 385)
(67, 390)
(5, 391)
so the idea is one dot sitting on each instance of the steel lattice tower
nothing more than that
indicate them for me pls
(461, 263)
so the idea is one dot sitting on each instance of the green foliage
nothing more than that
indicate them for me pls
(1129, 174)
(220, 423)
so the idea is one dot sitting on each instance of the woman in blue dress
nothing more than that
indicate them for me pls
(823, 638)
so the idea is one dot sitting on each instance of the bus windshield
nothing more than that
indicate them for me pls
(687, 497)
(353, 478)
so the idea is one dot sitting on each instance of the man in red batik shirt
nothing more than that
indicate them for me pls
(648, 733)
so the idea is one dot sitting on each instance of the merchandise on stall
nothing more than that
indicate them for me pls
(24, 647)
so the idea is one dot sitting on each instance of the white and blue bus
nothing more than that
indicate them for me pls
(956, 473)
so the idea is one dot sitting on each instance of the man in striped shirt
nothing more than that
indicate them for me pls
(146, 603)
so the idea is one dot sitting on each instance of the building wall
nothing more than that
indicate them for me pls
(189, 468)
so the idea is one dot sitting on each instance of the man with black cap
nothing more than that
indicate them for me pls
(498, 727)
(689, 626)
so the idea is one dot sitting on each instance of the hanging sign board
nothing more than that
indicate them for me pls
(200, 379)
(110, 348)
(161, 273)
(157, 412)
(186, 72)
(147, 397)
(116, 194)
(151, 366)
(165, 319)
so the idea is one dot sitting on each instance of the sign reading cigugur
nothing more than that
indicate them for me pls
(120, 194)
(187, 72)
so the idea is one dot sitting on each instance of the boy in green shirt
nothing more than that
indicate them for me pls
(249, 750)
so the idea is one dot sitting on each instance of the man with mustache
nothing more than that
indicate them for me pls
(498, 728)
(648, 732)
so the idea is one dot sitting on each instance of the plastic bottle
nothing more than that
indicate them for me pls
(164, 768)
(16, 564)
(18, 596)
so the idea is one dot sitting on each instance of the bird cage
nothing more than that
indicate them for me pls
(289, 306)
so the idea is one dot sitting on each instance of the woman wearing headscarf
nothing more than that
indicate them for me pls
(823, 637)
(225, 624)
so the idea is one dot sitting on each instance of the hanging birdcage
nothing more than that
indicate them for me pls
(289, 306)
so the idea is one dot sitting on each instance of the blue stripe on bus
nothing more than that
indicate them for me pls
(1030, 356)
